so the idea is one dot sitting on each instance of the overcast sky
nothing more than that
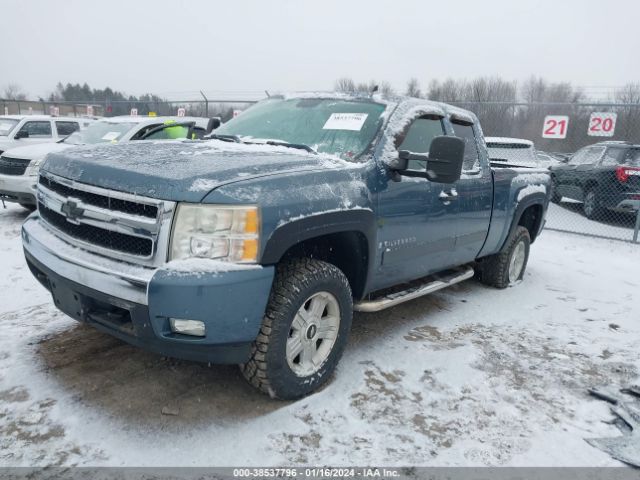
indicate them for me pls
(179, 47)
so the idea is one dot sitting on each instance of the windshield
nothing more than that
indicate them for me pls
(6, 125)
(516, 153)
(339, 127)
(100, 132)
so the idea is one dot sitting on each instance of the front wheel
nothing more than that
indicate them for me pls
(304, 331)
(507, 267)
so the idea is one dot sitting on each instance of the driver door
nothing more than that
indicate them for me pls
(416, 227)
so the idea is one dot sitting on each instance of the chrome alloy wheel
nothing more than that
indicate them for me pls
(313, 333)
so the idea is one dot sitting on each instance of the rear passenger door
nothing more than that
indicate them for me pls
(475, 195)
(585, 172)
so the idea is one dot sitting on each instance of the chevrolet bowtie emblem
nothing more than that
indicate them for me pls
(72, 211)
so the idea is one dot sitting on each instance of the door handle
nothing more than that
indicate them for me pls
(448, 197)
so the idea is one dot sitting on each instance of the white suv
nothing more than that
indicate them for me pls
(21, 130)
(19, 166)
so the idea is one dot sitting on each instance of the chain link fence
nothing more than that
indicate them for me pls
(223, 108)
(592, 152)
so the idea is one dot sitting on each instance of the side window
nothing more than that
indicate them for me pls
(578, 157)
(593, 155)
(417, 138)
(612, 157)
(37, 129)
(471, 158)
(66, 128)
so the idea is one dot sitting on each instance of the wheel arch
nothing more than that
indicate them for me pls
(345, 239)
(529, 214)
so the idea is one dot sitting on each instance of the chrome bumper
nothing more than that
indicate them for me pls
(118, 279)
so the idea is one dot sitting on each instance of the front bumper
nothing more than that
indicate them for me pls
(135, 303)
(18, 188)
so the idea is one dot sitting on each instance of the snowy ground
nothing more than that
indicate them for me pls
(568, 216)
(468, 376)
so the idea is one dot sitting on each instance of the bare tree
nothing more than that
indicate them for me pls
(345, 85)
(413, 88)
(13, 92)
(630, 93)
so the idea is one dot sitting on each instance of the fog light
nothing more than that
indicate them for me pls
(187, 327)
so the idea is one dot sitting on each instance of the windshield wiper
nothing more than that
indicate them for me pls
(224, 138)
(300, 146)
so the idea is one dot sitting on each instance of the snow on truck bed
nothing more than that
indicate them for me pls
(467, 376)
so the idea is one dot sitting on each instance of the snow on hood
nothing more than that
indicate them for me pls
(37, 151)
(180, 170)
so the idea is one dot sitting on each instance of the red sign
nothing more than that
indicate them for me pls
(181, 112)
(236, 113)
(90, 110)
(555, 126)
(54, 111)
(134, 112)
(602, 124)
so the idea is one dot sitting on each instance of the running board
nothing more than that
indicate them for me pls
(435, 283)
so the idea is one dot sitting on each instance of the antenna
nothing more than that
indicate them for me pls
(267, 92)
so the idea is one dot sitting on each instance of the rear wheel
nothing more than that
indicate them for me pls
(507, 267)
(304, 331)
(591, 205)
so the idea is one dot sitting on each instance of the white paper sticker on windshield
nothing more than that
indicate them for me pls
(346, 121)
(110, 136)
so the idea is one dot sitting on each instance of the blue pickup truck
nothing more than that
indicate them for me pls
(255, 246)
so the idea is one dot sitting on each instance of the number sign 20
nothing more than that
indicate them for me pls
(555, 126)
(602, 124)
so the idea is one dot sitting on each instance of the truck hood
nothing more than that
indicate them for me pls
(180, 171)
(37, 151)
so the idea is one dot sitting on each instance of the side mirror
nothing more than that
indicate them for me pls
(444, 161)
(446, 156)
(214, 123)
(21, 134)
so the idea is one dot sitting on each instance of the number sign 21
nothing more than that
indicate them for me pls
(555, 126)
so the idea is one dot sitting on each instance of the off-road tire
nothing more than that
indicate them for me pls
(494, 269)
(296, 281)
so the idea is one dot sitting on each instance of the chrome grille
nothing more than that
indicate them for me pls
(120, 225)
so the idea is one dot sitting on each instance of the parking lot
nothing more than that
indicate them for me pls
(466, 376)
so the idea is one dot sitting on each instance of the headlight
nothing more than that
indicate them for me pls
(229, 233)
(34, 167)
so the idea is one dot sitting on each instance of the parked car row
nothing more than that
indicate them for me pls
(604, 177)
(31, 138)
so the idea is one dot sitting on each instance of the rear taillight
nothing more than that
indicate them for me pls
(623, 173)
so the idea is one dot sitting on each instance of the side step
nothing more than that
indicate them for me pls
(431, 284)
